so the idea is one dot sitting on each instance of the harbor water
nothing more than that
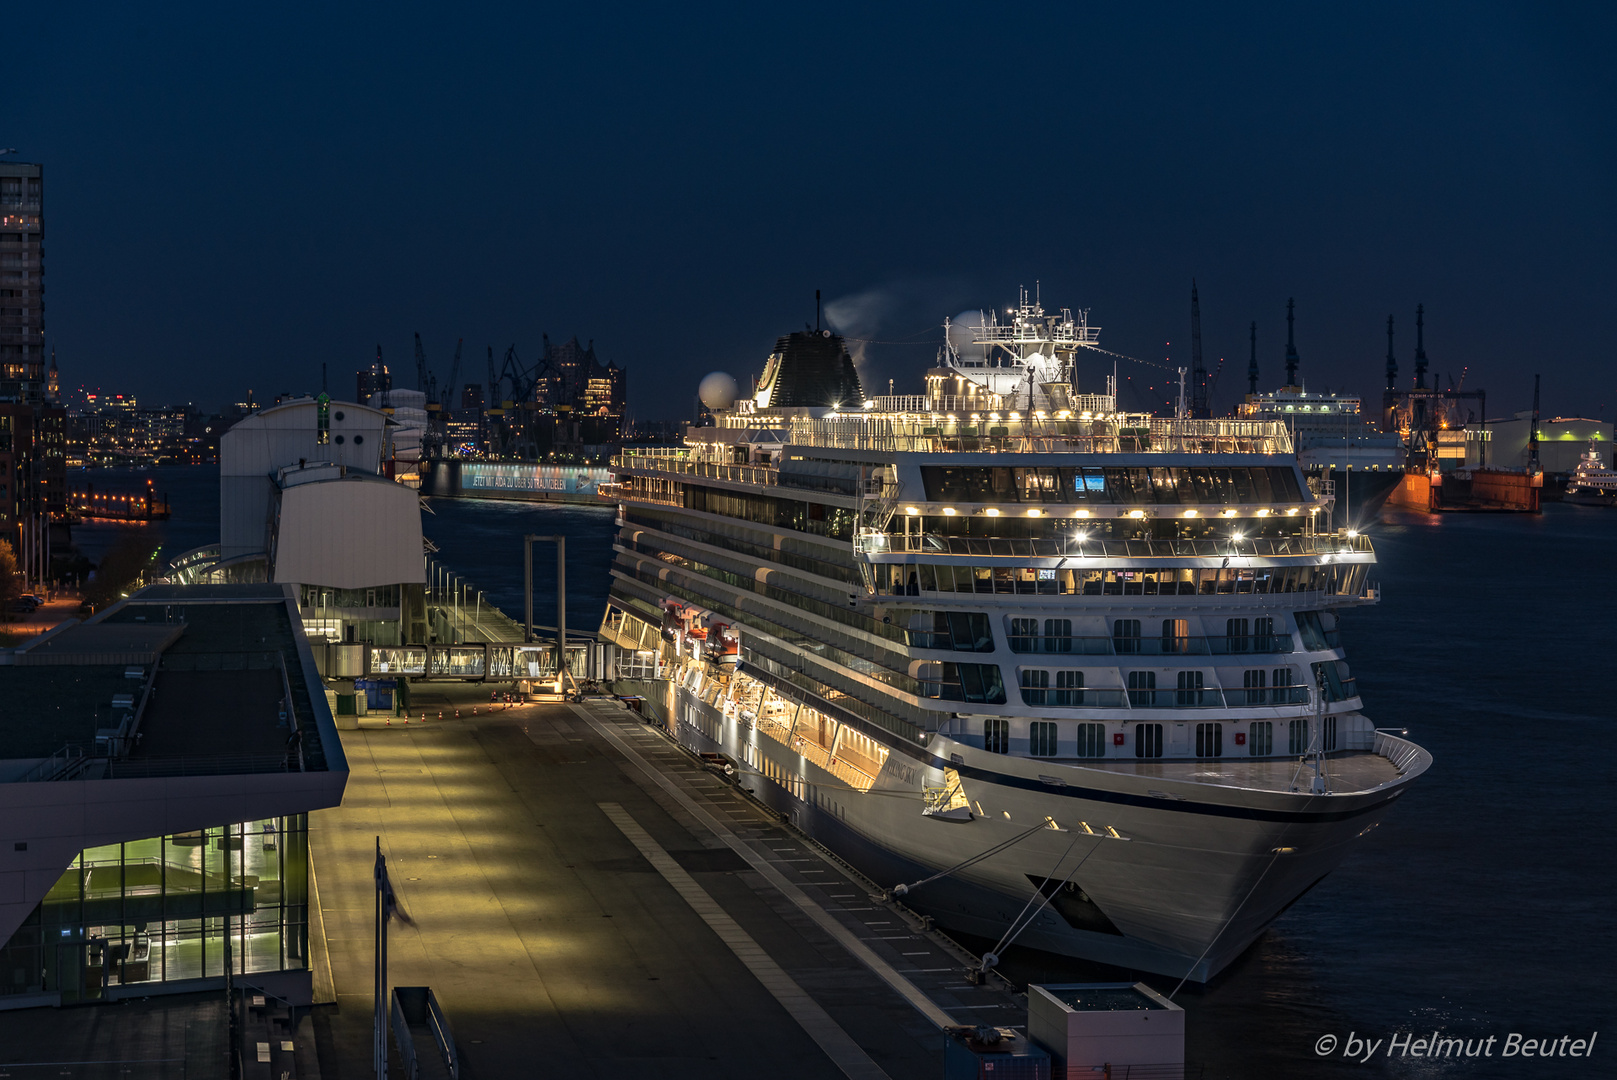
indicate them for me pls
(1482, 907)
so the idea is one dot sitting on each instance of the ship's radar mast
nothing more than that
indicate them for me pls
(1029, 357)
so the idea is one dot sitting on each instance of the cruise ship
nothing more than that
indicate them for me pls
(1057, 675)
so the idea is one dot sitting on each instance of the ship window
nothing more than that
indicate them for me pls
(1041, 740)
(1297, 737)
(1147, 740)
(1190, 690)
(1261, 741)
(1069, 688)
(1209, 740)
(1142, 688)
(1057, 635)
(1022, 634)
(1330, 733)
(1126, 635)
(1175, 635)
(1263, 631)
(1311, 629)
(997, 736)
(1285, 692)
(1035, 686)
(1254, 683)
(1238, 635)
(1091, 740)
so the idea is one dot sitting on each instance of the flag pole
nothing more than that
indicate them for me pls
(379, 1027)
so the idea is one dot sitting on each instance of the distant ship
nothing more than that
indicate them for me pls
(1055, 673)
(1356, 461)
(1592, 484)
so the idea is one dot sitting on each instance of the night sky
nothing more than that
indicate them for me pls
(234, 196)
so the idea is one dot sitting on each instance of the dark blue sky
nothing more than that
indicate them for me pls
(235, 196)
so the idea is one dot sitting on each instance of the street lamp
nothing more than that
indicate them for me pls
(561, 600)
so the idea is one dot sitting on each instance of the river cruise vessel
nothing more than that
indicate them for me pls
(1055, 674)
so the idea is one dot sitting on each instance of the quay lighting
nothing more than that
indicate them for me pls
(1263, 511)
(1136, 513)
(948, 511)
(1190, 513)
(1016, 416)
(1034, 512)
(1229, 513)
(911, 511)
(992, 511)
(1292, 512)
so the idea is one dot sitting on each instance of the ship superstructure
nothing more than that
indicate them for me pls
(1008, 649)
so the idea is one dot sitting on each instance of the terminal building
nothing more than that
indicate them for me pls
(160, 761)
(305, 500)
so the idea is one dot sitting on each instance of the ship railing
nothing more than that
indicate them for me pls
(1117, 433)
(1206, 697)
(685, 466)
(1066, 547)
(1099, 645)
(1401, 752)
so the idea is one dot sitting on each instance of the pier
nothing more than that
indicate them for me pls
(585, 892)
(117, 506)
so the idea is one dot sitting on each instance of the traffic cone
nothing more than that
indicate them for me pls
(457, 714)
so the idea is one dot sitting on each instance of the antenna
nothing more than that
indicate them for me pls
(322, 376)
(1252, 364)
(816, 311)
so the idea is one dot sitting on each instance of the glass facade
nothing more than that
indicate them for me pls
(166, 910)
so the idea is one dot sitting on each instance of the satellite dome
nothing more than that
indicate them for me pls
(718, 390)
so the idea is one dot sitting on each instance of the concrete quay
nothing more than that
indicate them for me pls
(586, 899)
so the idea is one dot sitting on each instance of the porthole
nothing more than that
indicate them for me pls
(358, 439)
(339, 440)
(339, 414)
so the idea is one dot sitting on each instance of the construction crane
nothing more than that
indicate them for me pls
(492, 399)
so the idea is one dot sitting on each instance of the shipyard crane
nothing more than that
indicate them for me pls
(420, 363)
(1199, 408)
(493, 399)
(454, 377)
(522, 379)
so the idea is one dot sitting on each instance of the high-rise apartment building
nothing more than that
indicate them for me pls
(33, 463)
(22, 277)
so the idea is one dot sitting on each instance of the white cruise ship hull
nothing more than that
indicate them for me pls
(1196, 873)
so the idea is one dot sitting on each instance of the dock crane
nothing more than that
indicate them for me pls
(1199, 407)
(448, 399)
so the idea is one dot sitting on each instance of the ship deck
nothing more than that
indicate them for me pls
(1347, 771)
